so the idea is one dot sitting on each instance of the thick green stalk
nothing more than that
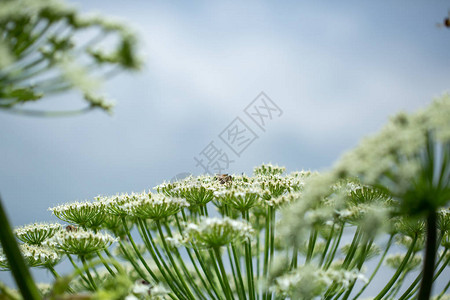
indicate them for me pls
(19, 269)
(430, 257)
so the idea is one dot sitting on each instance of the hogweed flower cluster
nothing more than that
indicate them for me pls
(273, 235)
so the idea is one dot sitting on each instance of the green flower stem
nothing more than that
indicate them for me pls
(78, 270)
(353, 248)
(348, 258)
(380, 262)
(444, 290)
(186, 272)
(359, 261)
(394, 291)
(327, 245)
(272, 242)
(31, 41)
(412, 289)
(258, 256)
(238, 269)
(131, 259)
(224, 277)
(53, 271)
(208, 275)
(88, 273)
(148, 240)
(362, 258)
(233, 271)
(133, 244)
(106, 264)
(294, 261)
(249, 262)
(115, 262)
(228, 296)
(444, 265)
(205, 268)
(430, 257)
(311, 245)
(335, 246)
(165, 270)
(172, 261)
(266, 249)
(19, 269)
(399, 270)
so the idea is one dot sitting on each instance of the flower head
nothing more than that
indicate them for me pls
(217, 232)
(241, 198)
(154, 206)
(80, 242)
(85, 214)
(35, 234)
(35, 256)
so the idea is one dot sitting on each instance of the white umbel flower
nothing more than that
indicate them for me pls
(35, 256)
(154, 206)
(80, 242)
(35, 234)
(84, 214)
(217, 232)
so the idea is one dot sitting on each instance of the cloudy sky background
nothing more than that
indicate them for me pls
(337, 70)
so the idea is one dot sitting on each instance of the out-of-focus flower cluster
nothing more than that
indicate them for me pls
(273, 235)
(47, 47)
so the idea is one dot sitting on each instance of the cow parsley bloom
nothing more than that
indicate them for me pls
(241, 198)
(35, 234)
(309, 281)
(154, 206)
(217, 232)
(80, 242)
(85, 214)
(35, 256)
(114, 205)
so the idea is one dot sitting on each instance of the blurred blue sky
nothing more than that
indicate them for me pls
(336, 69)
